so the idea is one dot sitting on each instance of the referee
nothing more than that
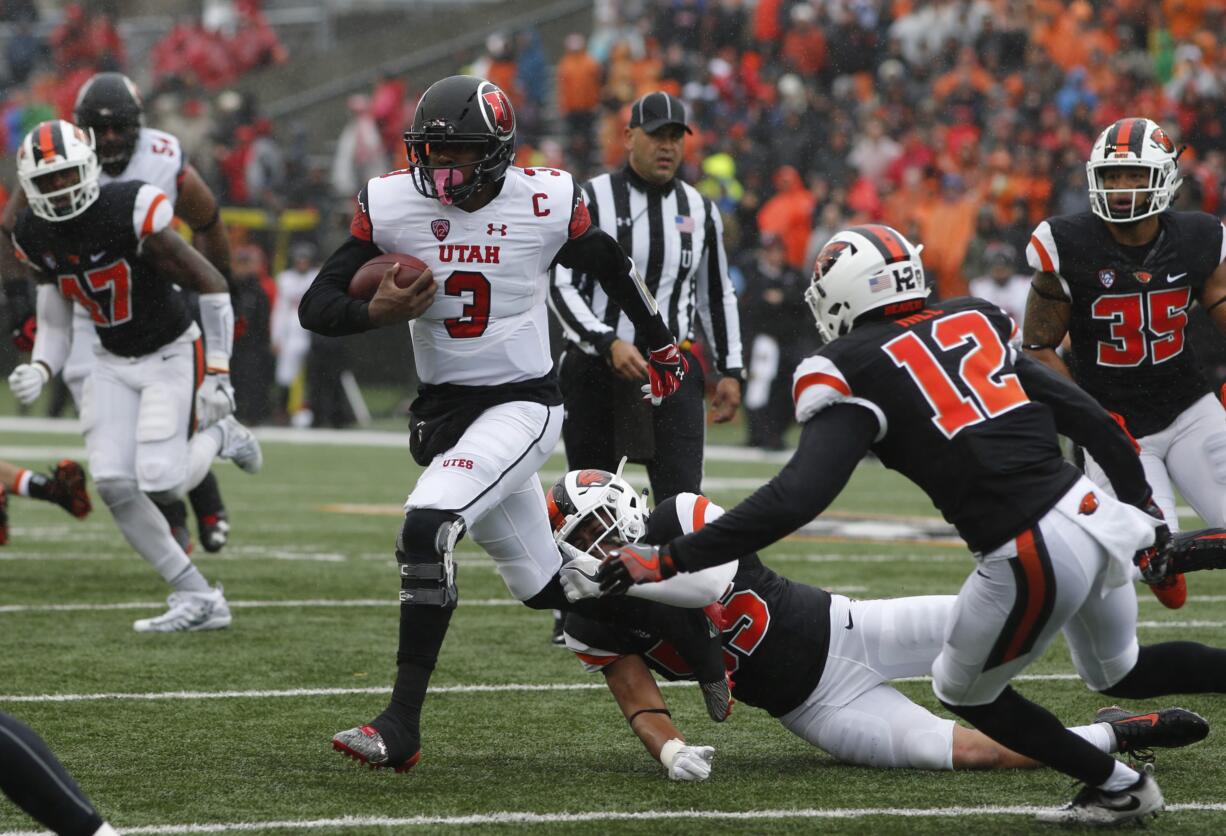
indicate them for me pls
(675, 236)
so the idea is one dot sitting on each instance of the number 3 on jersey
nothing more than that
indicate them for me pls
(475, 317)
(979, 373)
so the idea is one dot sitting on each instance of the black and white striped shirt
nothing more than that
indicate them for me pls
(676, 238)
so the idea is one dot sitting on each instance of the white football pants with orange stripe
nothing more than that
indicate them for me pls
(1189, 455)
(1068, 573)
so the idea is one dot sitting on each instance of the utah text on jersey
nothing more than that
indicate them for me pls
(491, 267)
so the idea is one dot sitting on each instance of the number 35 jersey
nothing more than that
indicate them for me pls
(488, 323)
(776, 632)
(1130, 310)
(952, 415)
(94, 260)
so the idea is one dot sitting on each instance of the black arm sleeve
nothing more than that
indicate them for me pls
(1085, 422)
(831, 445)
(326, 308)
(596, 252)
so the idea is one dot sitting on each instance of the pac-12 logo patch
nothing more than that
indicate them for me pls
(440, 227)
(1106, 277)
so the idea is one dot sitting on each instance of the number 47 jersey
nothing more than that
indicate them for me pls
(489, 323)
(950, 412)
(1130, 310)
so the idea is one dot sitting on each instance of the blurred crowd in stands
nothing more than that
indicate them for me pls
(962, 123)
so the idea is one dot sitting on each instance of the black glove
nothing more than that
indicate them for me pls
(633, 564)
(1154, 562)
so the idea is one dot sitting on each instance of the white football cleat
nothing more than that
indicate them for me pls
(1093, 807)
(189, 611)
(239, 445)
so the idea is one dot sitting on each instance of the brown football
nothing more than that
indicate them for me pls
(366, 281)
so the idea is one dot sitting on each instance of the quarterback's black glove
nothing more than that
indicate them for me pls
(633, 564)
(1154, 562)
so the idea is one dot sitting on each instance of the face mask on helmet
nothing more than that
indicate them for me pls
(462, 138)
(1133, 171)
(595, 508)
(110, 105)
(863, 270)
(58, 170)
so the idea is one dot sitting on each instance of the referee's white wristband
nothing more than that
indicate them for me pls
(669, 752)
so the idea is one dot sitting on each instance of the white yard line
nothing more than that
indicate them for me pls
(476, 688)
(527, 818)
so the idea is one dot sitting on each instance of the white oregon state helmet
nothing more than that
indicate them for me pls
(862, 269)
(58, 146)
(1135, 143)
(582, 494)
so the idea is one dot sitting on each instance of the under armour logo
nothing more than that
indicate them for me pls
(625, 221)
(501, 229)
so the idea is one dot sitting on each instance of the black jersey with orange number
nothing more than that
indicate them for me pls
(776, 631)
(95, 261)
(1130, 310)
(952, 415)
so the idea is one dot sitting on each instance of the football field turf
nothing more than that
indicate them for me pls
(229, 731)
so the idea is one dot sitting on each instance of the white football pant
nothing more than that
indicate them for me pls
(490, 479)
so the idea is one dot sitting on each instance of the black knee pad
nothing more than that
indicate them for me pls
(423, 550)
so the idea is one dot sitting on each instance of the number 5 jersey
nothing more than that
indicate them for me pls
(1130, 310)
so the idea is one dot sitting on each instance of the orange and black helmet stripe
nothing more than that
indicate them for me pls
(48, 143)
(888, 242)
(1126, 135)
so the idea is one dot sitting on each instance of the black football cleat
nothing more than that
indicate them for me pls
(67, 489)
(214, 531)
(558, 636)
(365, 745)
(1139, 734)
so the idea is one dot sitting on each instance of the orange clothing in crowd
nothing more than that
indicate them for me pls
(946, 232)
(804, 48)
(766, 21)
(789, 214)
(579, 80)
(1183, 17)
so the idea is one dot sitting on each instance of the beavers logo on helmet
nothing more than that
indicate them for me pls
(591, 478)
(1163, 141)
(829, 255)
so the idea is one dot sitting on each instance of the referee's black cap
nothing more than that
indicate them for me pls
(655, 110)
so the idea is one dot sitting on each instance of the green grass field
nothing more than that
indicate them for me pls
(231, 729)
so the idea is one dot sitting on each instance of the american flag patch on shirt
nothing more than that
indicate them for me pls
(685, 223)
(880, 282)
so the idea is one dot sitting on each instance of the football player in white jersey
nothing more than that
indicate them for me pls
(489, 412)
(110, 105)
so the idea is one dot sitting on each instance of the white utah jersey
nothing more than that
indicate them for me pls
(158, 159)
(488, 324)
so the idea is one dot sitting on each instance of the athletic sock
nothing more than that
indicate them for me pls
(1031, 730)
(34, 485)
(190, 580)
(1122, 777)
(1173, 668)
(422, 630)
(175, 512)
(1100, 735)
(206, 497)
(38, 783)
